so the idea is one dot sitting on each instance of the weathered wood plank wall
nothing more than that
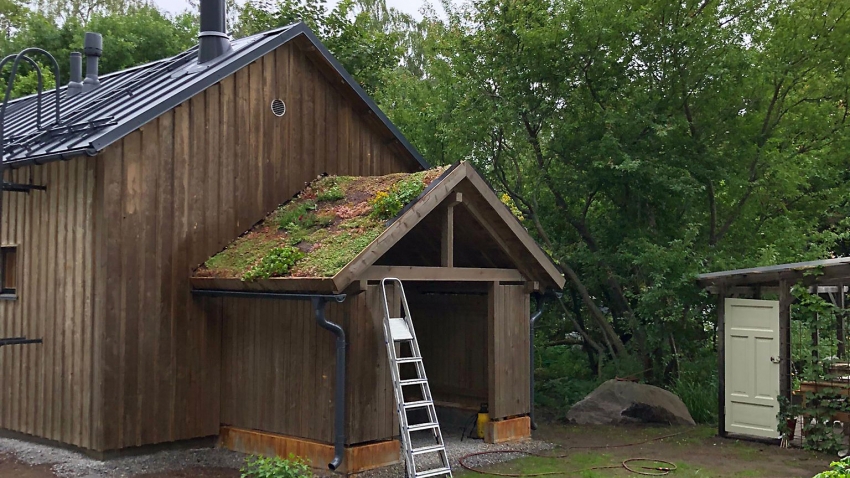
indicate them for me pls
(45, 390)
(278, 367)
(177, 191)
(452, 333)
(509, 329)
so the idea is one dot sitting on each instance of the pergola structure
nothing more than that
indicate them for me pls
(830, 278)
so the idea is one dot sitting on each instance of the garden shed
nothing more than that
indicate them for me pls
(468, 267)
(781, 339)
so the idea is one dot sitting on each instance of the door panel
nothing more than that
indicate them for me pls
(752, 377)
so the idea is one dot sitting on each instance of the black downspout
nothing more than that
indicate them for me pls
(339, 387)
(538, 298)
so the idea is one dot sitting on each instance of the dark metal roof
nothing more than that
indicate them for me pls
(130, 98)
(767, 274)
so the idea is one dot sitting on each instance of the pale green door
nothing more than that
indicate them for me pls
(752, 367)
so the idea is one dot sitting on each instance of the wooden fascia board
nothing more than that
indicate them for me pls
(274, 284)
(530, 244)
(400, 227)
(449, 274)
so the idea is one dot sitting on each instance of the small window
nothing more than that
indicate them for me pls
(9, 256)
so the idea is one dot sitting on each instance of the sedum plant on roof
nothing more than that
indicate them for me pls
(321, 230)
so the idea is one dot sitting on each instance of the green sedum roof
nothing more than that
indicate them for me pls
(321, 230)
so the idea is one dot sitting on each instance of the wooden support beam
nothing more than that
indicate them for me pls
(721, 361)
(453, 274)
(503, 245)
(785, 300)
(841, 330)
(447, 241)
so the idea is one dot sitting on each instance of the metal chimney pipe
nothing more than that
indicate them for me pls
(93, 48)
(213, 41)
(75, 87)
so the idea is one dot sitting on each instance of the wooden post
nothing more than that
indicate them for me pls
(785, 301)
(447, 249)
(840, 327)
(721, 361)
(447, 243)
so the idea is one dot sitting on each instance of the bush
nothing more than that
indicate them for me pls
(278, 262)
(697, 387)
(333, 193)
(838, 469)
(387, 204)
(276, 467)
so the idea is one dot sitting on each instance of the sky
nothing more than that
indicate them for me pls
(408, 6)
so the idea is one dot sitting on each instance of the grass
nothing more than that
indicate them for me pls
(696, 453)
(329, 223)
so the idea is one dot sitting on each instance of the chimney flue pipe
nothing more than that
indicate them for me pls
(75, 87)
(213, 41)
(93, 48)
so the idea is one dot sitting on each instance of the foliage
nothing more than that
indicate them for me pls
(387, 204)
(696, 385)
(333, 193)
(277, 262)
(837, 469)
(297, 214)
(339, 250)
(276, 467)
(810, 313)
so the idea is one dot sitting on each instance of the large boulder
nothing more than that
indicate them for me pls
(617, 402)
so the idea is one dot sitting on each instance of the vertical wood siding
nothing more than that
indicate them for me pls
(509, 329)
(278, 367)
(176, 192)
(452, 333)
(46, 389)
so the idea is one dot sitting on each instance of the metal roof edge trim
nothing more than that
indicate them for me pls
(787, 267)
(241, 61)
(49, 158)
(237, 64)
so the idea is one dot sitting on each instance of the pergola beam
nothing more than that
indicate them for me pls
(449, 274)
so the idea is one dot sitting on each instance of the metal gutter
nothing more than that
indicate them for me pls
(318, 301)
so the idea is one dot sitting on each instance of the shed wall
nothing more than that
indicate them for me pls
(509, 336)
(175, 193)
(46, 389)
(277, 367)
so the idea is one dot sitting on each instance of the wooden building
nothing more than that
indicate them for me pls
(107, 212)
(469, 269)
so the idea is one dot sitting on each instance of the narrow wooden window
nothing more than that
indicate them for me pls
(10, 269)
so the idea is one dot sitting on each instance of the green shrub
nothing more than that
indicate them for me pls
(276, 467)
(294, 214)
(387, 204)
(697, 387)
(277, 262)
(333, 193)
(838, 469)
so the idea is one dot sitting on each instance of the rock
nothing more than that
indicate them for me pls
(617, 402)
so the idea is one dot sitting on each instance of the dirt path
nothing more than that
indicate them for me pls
(696, 452)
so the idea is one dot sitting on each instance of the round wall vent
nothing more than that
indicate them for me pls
(278, 107)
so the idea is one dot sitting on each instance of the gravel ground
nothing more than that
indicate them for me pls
(457, 449)
(71, 464)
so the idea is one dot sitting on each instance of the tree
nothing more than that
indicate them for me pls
(645, 141)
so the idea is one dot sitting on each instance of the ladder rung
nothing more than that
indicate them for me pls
(422, 426)
(413, 381)
(408, 359)
(434, 472)
(428, 449)
(417, 404)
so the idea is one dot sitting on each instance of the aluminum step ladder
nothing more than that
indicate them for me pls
(397, 332)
